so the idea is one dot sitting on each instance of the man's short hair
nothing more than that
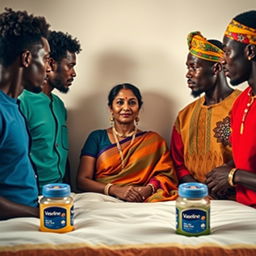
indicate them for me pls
(247, 18)
(18, 32)
(60, 43)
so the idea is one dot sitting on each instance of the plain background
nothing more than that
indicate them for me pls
(137, 41)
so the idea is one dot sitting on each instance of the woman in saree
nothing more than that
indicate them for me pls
(123, 161)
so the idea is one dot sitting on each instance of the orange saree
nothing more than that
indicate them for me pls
(146, 158)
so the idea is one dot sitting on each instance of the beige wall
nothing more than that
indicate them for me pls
(137, 41)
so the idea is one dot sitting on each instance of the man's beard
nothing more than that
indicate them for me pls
(37, 89)
(34, 89)
(58, 85)
(242, 78)
(196, 93)
(63, 89)
(236, 81)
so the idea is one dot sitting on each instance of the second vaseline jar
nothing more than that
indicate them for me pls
(193, 210)
(56, 208)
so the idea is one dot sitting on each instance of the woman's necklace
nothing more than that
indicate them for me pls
(119, 148)
(122, 135)
(246, 110)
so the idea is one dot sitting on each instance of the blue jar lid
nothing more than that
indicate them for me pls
(56, 190)
(193, 190)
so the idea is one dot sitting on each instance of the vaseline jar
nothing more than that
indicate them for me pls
(193, 210)
(56, 208)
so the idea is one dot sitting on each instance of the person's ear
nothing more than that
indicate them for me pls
(217, 67)
(26, 58)
(111, 118)
(250, 51)
(110, 109)
(53, 64)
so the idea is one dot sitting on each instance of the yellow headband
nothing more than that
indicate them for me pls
(241, 33)
(201, 48)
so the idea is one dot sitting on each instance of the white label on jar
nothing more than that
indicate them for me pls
(194, 221)
(55, 217)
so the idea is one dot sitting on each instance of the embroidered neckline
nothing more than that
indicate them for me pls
(246, 110)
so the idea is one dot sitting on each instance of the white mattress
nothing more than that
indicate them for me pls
(107, 226)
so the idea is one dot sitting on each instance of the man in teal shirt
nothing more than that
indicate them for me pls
(46, 115)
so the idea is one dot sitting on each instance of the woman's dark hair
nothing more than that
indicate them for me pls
(116, 89)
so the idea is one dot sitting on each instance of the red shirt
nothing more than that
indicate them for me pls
(244, 145)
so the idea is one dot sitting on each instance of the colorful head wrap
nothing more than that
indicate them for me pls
(241, 33)
(201, 48)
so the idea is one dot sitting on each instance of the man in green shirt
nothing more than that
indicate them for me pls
(46, 115)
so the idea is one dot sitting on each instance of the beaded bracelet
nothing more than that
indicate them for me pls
(106, 188)
(231, 177)
(152, 187)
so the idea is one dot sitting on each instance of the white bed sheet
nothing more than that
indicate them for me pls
(107, 226)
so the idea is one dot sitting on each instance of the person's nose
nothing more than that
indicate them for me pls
(126, 106)
(188, 74)
(48, 67)
(223, 61)
(73, 74)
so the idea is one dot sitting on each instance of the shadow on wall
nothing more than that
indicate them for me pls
(113, 67)
(158, 114)
(92, 114)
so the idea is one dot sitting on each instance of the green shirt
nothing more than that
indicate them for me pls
(46, 122)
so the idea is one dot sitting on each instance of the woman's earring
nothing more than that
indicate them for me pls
(111, 119)
(137, 119)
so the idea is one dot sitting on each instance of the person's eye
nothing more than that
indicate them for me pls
(192, 68)
(196, 67)
(132, 102)
(227, 52)
(119, 102)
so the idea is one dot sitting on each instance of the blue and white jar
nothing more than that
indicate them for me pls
(193, 210)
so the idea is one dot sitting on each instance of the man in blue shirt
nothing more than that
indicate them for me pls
(24, 56)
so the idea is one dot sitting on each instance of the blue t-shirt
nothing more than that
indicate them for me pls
(96, 142)
(17, 176)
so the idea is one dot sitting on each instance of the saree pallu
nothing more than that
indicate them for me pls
(145, 158)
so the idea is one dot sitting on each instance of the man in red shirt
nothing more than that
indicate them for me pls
(240, 62)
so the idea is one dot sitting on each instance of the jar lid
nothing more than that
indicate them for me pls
(56, 190)
(193, 190)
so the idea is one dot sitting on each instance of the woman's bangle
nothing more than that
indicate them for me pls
(152, 187)
(106, 188)
(231, 177)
